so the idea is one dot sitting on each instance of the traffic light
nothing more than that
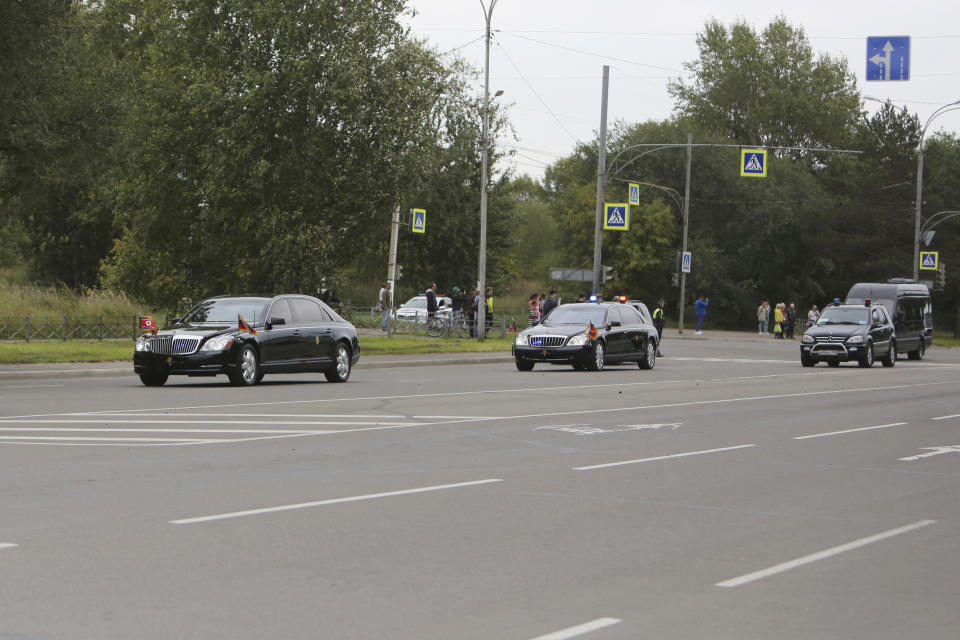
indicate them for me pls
(609, 274)
(399, 271)
(941, 280)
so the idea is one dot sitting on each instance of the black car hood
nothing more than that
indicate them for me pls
(206, 330)
(836, 330)
(558, 329)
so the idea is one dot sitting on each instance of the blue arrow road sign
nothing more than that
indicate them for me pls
(888, 58)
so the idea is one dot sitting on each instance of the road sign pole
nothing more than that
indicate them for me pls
(392, 264)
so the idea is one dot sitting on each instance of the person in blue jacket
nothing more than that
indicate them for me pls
(702, 303)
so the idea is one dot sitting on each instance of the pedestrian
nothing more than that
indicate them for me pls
(658, 322)
(549, 304)
(778, 320)
(763, 317)
(582, 297)
(469, 311)
(791, 319)
(489, 307)
(431, 300)
(812, 315)
(701, 308)
(533, 310)
(385, 300)
(456, 299)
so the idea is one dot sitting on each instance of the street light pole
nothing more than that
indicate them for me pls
(916, 222)
(601, 184)
(686, 226)
(482, 261)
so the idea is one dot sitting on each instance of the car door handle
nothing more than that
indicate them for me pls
(325, 331)
(296, 332)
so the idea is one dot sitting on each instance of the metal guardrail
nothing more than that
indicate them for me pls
(31, 327)
(372, 318)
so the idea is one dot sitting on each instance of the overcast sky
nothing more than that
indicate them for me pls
(548, 56)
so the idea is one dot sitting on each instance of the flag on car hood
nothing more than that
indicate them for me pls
(148, 324)
(592, 331)
(244, 327)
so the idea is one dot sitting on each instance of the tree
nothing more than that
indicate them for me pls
(267, 139)
(767, 89)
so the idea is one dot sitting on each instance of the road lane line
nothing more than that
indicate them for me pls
(417, 396)
(176, 421)
(837, 433)
(321, 503)
(580, 629)
(105, 439)
(674, 455)
(6, 545)
(956, 415)
(820, 555)
(159, 430)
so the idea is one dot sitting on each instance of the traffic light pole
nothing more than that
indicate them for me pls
(601, 183)
(686, 225)
(392, 263)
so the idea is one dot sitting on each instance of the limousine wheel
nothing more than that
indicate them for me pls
(153, 379)
(249, 372)
(524, 365)
(340, 371)
(649, 357)
(596, 362)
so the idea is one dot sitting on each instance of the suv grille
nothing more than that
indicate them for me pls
(174, 345)
(831, 339)
(547, 341)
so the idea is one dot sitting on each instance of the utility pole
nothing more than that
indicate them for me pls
(601, 183)
(686, 225)
(482, 262)
(392, 262)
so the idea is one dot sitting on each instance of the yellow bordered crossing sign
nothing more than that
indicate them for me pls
(753, 163)
(633, 190)
(419, 223)
(929, 260)
(616, 217)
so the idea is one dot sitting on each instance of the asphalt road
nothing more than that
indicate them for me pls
(728, 493)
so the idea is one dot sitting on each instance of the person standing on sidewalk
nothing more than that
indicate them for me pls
(791, 320)
(385, 300)
(658, 322)
(701, 308)
(763, 317)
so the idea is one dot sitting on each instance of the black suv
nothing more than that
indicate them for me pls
(850, 332)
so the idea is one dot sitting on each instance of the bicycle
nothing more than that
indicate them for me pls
(461, 325)
(434, 326)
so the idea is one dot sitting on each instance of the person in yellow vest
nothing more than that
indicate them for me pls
(489, 306)
(658, 322)
(778, 318)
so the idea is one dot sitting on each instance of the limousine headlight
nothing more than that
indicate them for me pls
(523, 339)
(220, 343)
(143, 342)
(579, 340)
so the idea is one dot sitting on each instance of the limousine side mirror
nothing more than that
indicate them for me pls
(275, 321)
(615, 323)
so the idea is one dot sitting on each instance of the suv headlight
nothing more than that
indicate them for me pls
(578, 340)
(808, 339)
(143, 342)
(220, 343)
(855, 340)
(523, 339)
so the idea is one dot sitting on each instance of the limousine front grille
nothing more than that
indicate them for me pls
(174, 345)
(547, 341)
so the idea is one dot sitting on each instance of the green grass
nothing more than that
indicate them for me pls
(382, 345)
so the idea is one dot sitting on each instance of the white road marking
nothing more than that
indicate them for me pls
(837, 433)
(30, 386)
(934, 451)
(174, 420)
(106, 439)
(950, 417)
(580, 629)
(538, 390)
(820, 555)
(674, 455)
(320, 503)
(157, 430)
(6, 545)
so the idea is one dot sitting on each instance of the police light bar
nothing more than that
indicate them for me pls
(593, 298)
(622, 299)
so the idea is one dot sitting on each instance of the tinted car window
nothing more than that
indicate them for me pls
(281, 309)
(570, 314)
(631, 317)
(308, 311)
(841, 315)
(227, 309)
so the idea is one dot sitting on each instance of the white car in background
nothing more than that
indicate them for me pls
(416, 308)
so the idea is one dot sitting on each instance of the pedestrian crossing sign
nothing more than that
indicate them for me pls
(617, 217)
(419, 221)
(753, 163)
(929, 260)
(634, 190)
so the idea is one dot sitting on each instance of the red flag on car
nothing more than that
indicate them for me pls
(148, 324)
(244, 327)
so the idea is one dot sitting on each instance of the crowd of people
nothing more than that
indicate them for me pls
(784, 318)
(539, 305)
